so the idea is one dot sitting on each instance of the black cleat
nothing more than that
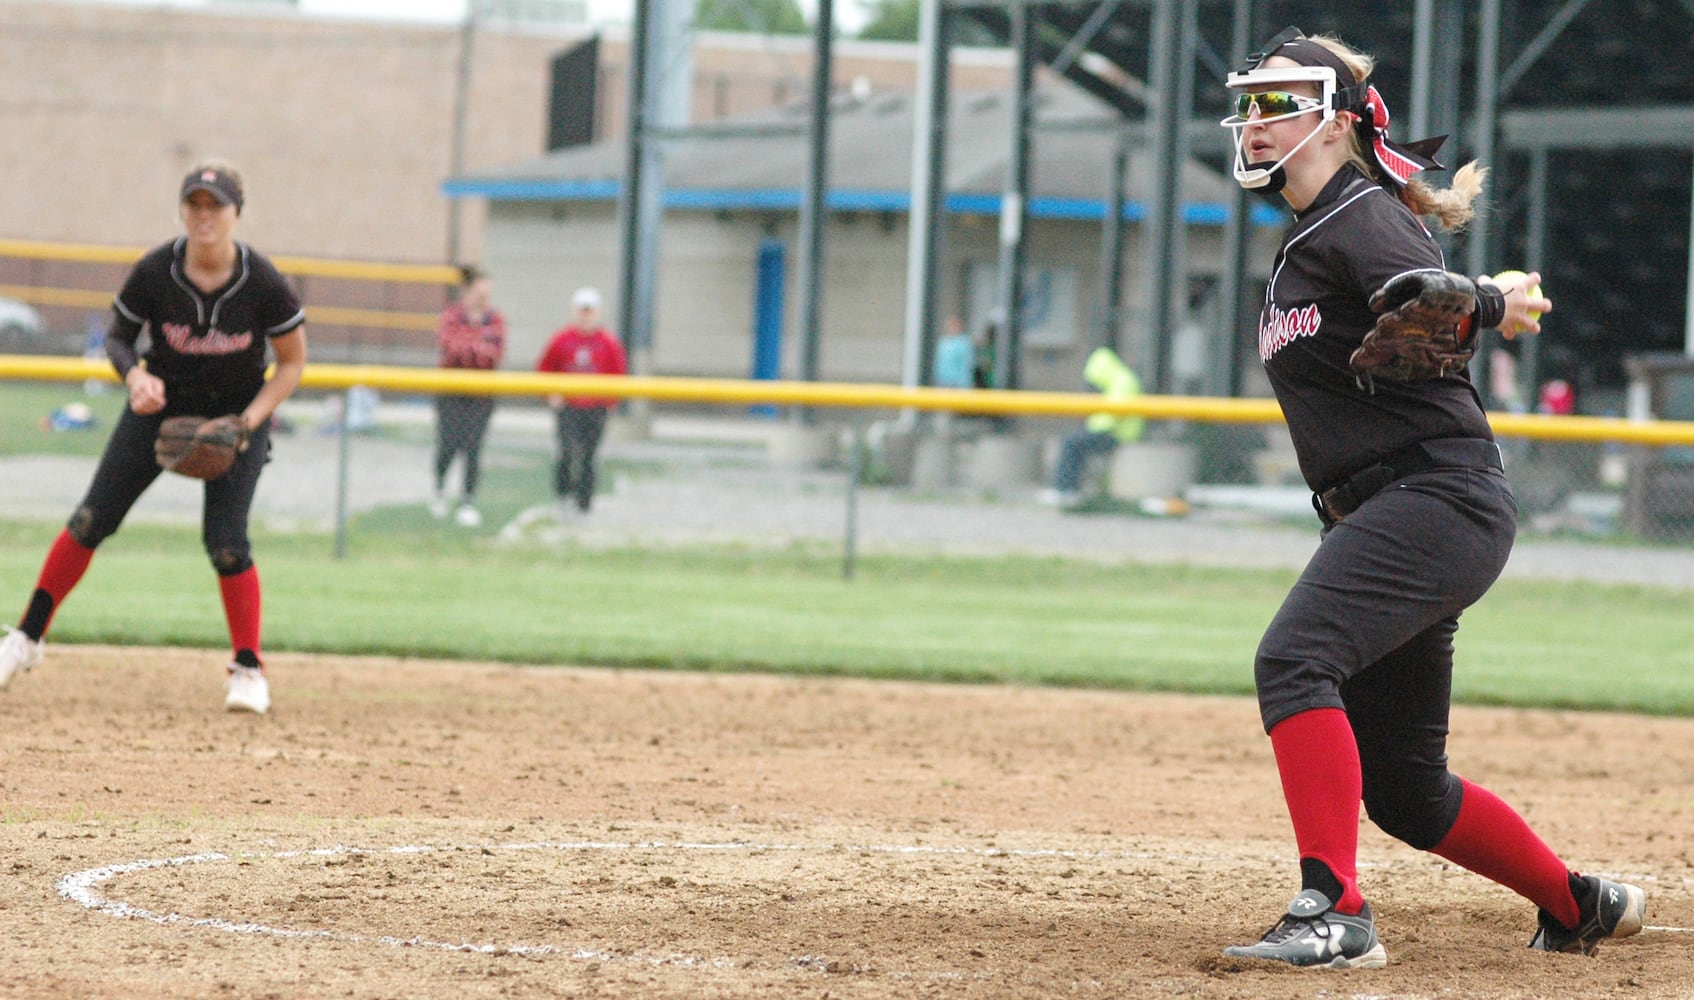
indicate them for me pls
(1311, 934)
(1609, 910)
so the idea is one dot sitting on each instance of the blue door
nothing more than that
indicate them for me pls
(769, 274)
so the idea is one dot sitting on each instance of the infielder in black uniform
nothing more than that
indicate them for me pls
(1354, 673)
(211, 307)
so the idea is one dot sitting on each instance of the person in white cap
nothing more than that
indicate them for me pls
(584, 346)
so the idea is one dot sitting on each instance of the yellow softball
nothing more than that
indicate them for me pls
(1534, 293)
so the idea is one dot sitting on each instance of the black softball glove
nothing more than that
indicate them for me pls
(1424, 331)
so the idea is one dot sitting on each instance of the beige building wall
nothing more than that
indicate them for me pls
(703, 315)
(541, 256)
(343, 129)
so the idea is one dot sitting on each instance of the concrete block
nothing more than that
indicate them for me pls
(627, 427)
(801, 446)
(1004, 462)
(1151, 469)
(899, 454)
(933, 462)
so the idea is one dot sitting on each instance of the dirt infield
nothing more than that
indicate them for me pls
(419, 829)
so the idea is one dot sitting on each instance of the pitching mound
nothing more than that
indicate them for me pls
(454, 830)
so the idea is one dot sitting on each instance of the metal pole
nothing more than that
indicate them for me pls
(1188, 39)
(1111, 245)
(1688, 310)
(1423, 47)
(635, 158)
(1441, 92)
(461, 111)
(929, 177)
(1237, 233)
(855, 472)
(1478, 246)
(1014, 205)
(342, 464)
(1174, 28)
(1535, 238)
(813, 210)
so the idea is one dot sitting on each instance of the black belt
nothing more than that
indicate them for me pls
(1337, 502)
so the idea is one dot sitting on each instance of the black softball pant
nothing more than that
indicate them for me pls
(579, 429)
(1369, 626)
(128, 467)
(461, 422)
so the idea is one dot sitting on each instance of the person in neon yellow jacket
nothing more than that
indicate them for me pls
(1102, 432)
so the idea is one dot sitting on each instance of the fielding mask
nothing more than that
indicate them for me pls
(1318, 65)
(1269, 178)
(1255, 87)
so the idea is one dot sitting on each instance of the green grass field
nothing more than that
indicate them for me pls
(25, 407)
(999, 620)
(413, 587)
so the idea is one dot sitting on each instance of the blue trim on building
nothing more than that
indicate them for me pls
(780, 200)
(533, 189)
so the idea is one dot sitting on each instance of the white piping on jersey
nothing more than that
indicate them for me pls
(194, 293)
(246, 273)
(177, 254)
(118, 304)
(1270, 288)
(292, 321)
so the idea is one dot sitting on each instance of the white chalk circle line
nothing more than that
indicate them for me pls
(84, 889)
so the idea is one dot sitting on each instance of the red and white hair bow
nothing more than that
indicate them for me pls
(1399, 161)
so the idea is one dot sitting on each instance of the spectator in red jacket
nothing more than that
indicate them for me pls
(583, 347)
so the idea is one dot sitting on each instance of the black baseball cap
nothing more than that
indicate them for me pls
(223, 187)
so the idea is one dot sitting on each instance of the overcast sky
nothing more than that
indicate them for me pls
(431, 11)
(848, 15)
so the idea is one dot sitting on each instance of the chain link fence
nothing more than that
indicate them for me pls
(1572, 480)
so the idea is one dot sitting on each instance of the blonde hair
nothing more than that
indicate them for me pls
(1451, 206)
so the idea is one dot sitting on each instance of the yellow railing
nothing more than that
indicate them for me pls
(731, 391)
(1657, 433)
(78, 297)
(306, 267)
(87, 253)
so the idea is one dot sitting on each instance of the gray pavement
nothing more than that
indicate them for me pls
(696, 481)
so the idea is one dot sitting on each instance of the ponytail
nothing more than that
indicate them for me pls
(1452, 207)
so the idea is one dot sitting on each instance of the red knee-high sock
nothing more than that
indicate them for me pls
(1318, 760)
(1491, 839)
(241, 608)
(66, 561)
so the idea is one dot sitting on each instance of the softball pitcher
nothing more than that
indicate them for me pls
(1365, 335)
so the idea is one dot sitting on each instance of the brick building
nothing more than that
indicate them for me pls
(344, 129)
(345, 133)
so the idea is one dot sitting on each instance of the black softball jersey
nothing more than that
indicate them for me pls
(209, 348)
(1347, 244)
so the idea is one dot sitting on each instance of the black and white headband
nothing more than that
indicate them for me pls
(1399, 161)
